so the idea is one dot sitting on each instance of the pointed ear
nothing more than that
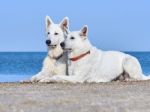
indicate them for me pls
(64, 24)
(84, 31)
(48, 21)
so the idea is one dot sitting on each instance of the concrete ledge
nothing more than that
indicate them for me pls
(102, 97)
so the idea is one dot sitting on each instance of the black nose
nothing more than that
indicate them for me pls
(48, 42)
(62, 44)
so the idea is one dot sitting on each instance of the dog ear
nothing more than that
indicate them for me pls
(84, 31)
(64, 24)
(48, 21)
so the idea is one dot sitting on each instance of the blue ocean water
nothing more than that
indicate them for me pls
(16, 66)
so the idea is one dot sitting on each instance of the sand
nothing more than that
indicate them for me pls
(102, 97)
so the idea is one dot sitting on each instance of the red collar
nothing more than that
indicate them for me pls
(80, 56)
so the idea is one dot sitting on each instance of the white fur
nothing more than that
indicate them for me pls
(52, 66)
(98, 66)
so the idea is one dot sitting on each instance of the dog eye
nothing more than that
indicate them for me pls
(72, 38)
(48, 33)
(56, 34)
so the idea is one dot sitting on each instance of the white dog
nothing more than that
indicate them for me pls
(55, 62)
(88, 64)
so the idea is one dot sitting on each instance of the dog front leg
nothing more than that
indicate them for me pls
(62, 78)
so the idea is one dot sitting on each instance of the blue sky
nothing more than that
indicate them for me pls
(113, 24)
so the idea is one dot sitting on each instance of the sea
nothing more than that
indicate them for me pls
(17, 66)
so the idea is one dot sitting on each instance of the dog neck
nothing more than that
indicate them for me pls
(55, 53)
(56, 58)
(77, 54)
(80, 56)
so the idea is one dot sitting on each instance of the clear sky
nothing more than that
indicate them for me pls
(113, 24)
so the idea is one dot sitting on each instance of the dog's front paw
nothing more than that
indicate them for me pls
(48, 80)
(53, 79)
(35, 79)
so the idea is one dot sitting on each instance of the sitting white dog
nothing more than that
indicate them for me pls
(88, 64)
(55, 62)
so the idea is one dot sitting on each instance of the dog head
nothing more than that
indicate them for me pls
(55, 34)
(77, 41)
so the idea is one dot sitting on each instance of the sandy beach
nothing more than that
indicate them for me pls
(103, 97)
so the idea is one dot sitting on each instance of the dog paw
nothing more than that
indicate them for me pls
(35, 79)
(47, 80)
(54, 79)
(44, 80)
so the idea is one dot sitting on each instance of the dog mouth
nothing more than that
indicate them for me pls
(52, 46)
(67, 49)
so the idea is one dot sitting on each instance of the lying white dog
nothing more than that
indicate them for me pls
(55, 62)
(88, 64)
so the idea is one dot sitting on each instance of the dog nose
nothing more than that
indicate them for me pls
(48, 42)
(62, 44)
